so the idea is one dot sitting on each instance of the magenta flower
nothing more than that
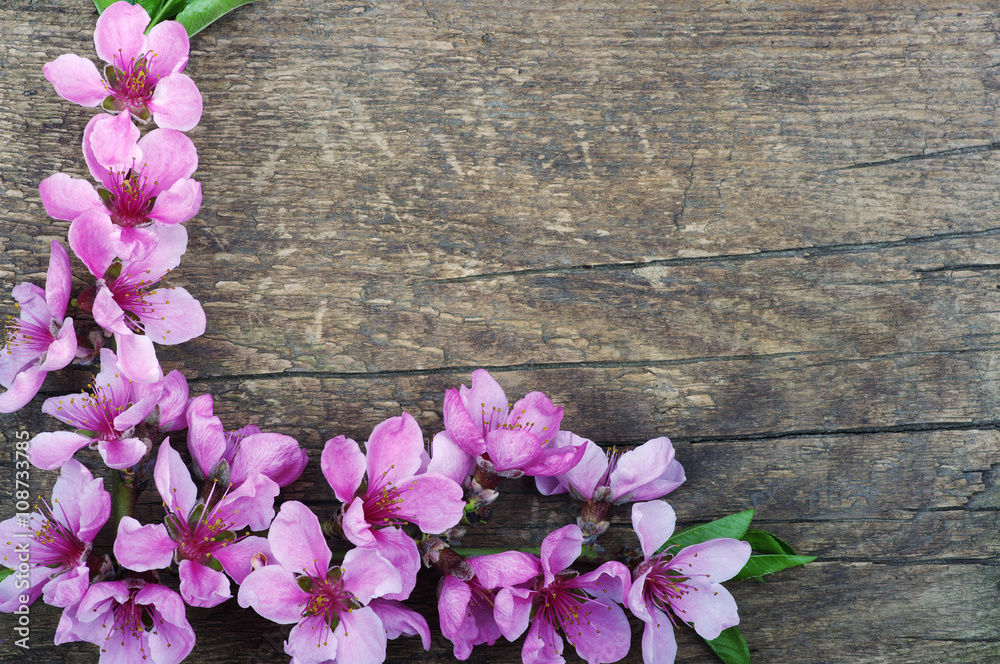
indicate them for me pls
(42, 339)
(128, 301)
(244, 451)
(401, 621)
(395, 492)
(329, 606)
(684, 585)
(131, 621)
(105, 418)
(644, 473)
(145, 186)
(583, 606)
(143, 77)
(465, 607)
(199, 534)
(507, 441)
(59, 541)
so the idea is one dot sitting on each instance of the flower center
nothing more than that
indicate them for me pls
(665, 584)
(97, 411)
(29, 338)
(382, 501)
(128, 201)
(130, 84)
(203, 532)
(328, 597)
(567, 608)
(60, 547)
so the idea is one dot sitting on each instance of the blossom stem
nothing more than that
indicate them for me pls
(124, 495)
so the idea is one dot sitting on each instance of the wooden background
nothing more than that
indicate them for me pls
(769, 233)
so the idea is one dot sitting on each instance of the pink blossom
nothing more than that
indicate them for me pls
(329, 606)
(131, 621)
(42, 339)
(644, 473)
(507, 441)
(128, 301)
(143, 76)
(401, 621)
(583, 606)
(105, 418)
(465, 607)
(145, 186)
(395, 492)
(59, 541)
(244, 451)
(684, 584)
(199, 535)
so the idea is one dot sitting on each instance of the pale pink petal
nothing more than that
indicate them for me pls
(250, 504)
(98, 171)
(612, 580)
(274, 594)
(543, 644)
(658, 643)
(559, 549)
(171, 316)
(237, 557)
(512, 611)
(399, 620)
(511, 449)
(118, 36)
(453, 603)
(177, 204)
(176, 103)
(273, 455)
(401, 552)
(142, 548)
(585, 475)
(137, 358)
(357, 530)
(66, 197)
(135, 243)
(112, 141)
(636, 599)
(205, 439)
(171, 243)
(504, 569)
(297, 541)
(661, 486)
(169, 45)
(173, 639)
(25, 387)
(537, 414)
(368, 575)
(108, 314)
(67, 589)
(121, 453)
(76, 79)
(144, 402)
(90, 239)
(485, 401)
(605, 635)
(10, 594)
(711, 608)
(554, 461)
(638, 467)
(433, 502)
(721, 559)
(168, 156)
(80, 500)
(173, 401)
(52, 449)
(173, 481)
(449, 459)
(361, 637)
(203, 586)
(393, 450)
(343, 466)
(654, 523)
(312, 642)
(466, 433)
(58, 280)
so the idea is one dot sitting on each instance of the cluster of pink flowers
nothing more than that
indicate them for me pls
(402, 506)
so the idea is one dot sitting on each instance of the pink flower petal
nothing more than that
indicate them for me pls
(453, 603)
(312, 641)
(137, 358)
(58, 280)
(89, 239)
(711, 608)
(250, 504)
(168, 156)
(81, 500)
(297, 541)
(108, 314)
(399, 620)
(169, 45)
(537, 414)
(636, 600)
(173, 639)
(554, 461)
(76, 79)
(118, 36)
(661, 486)
(721, 558)
(466, 433)
(605, 635)
(173, 401)
(178, 203)
(171, 316)
(25, 387)
(206, 441)
(203, 586)
(67, 589)
(142, 548)
(122, 453)
(173, 481)
(361, 637)
(637, 468)
(512, 611)
(66, 197)
(433, 502)
(52, 449)
(112, 140)
(559, 549)
(171, 243)
(449, 459)
(658, 643)
(504, 569)
(485, 401)
(273, 455)
(654, 523)
(543, 644)
(144, 403)
(585, 475)
(368, 574)
(511, 449)
(343, 465)
(612, 580)
(237, 557)
(357, 530)
(401, 552)
(176, 103)
(274, 594)
(393, 450)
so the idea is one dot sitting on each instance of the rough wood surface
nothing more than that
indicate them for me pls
(769, 232)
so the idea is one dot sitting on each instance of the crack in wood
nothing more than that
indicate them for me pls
(962, 266)
(792, 252)
(907, 562)
(970, 149)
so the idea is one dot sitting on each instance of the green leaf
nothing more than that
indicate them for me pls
(103, 4)
(167, 11)
(199, 14)
(758, 566)
(766, 542)
(731, 647)
(149, 5)
(5, 572)
(733, 526)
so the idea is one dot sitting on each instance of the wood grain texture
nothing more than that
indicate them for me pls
(770, 233)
